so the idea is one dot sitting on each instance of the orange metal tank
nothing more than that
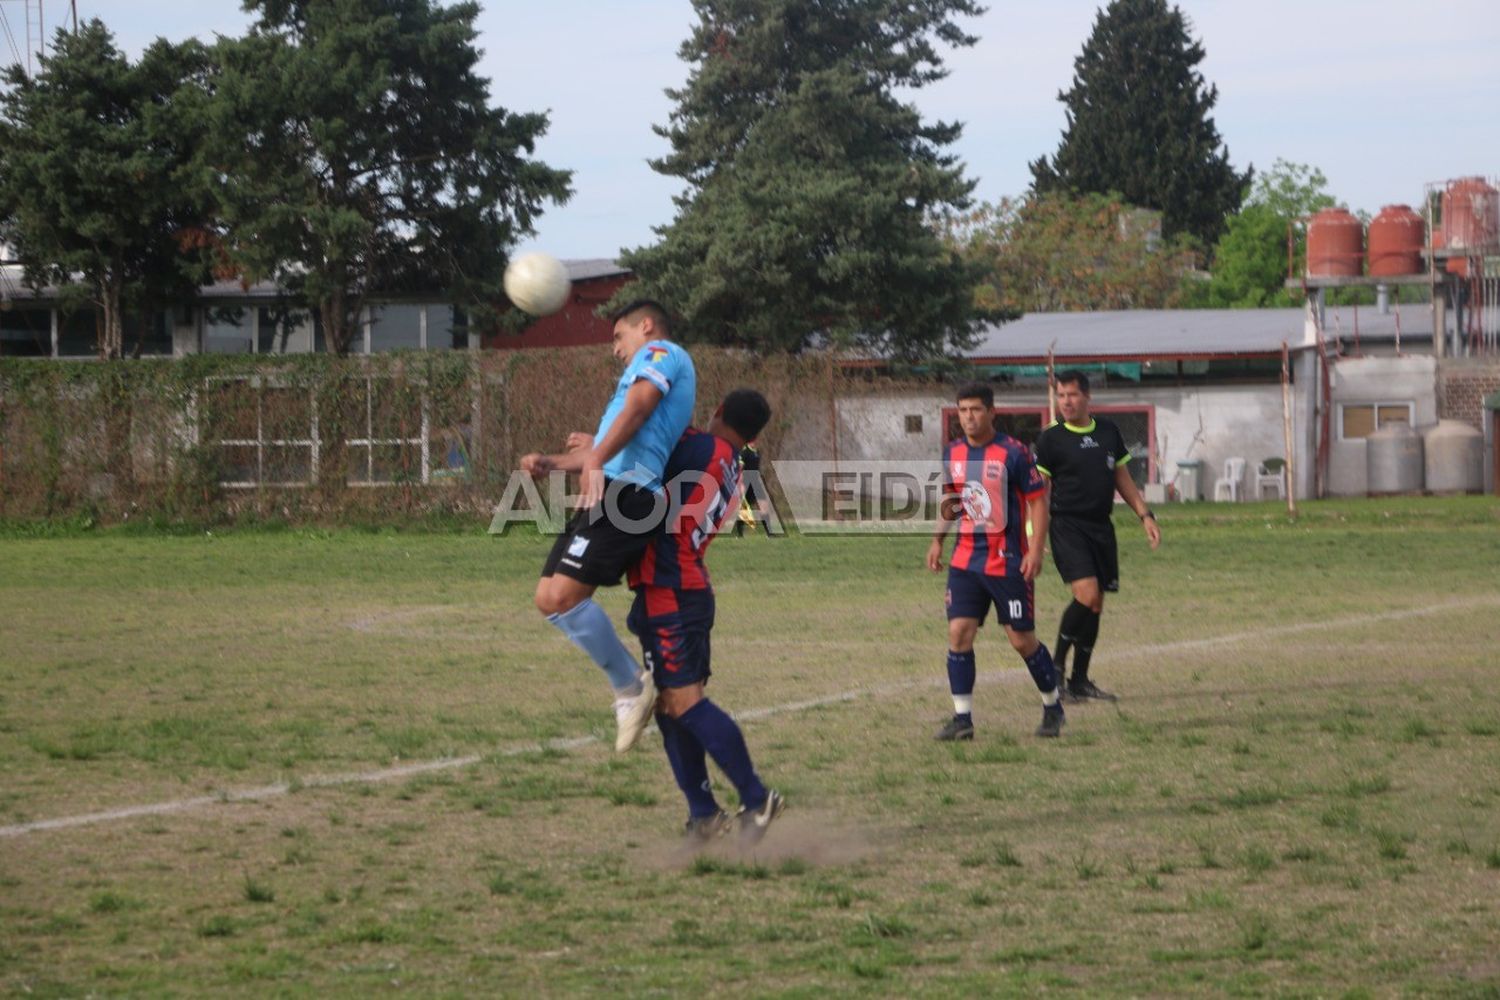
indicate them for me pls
(1335, 245)
(1396, 238)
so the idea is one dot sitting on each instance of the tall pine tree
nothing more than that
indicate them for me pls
(1139, 123)
(810, 185)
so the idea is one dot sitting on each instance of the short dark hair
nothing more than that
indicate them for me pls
(747, 413)
(976, 390)
(650, 307)
(1076, 377)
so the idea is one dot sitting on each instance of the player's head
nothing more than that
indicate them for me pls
(637, 322)
(741, 417)
(976, 406)
(1073, 396)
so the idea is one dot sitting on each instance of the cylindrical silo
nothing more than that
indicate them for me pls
(1396, 239)
(1454, 458)
(1335, 245)
(1393, 460)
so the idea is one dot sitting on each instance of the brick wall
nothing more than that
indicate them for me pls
(1463, 384)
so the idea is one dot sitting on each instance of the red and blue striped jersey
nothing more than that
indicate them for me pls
(993, 483)
(702, 480)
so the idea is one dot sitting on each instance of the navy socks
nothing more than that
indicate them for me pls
(689, 767)
(718, 734)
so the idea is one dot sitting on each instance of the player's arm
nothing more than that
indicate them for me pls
(1037, 522)
(640, 400)
(1137, 503)
(947, 514)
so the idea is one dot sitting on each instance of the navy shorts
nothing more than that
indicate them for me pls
(970, 595)
(673, 626)
(1083, 547)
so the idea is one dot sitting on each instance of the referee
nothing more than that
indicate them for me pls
(1084, 460)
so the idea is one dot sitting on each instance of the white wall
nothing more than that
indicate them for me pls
(1375, 380)
(1207, 423)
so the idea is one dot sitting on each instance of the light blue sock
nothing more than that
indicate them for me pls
(591, 631)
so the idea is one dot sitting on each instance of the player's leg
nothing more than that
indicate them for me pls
(1070, 557)
(680, 660)
(1089, 592)
(594, 552)
(685, 755)
(967, 602)
(1015, 607)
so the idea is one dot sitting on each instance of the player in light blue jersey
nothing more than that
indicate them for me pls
(622, 506)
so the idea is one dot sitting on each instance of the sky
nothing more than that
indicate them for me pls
(1384, 97)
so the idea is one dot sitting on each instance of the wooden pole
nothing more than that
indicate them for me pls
(1051, 389)
(1286, 431)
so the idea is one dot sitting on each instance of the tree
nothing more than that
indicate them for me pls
(96, 178)
(810, 186)
(356, 151)
(1251, 259)
(1059, 252)
(1139, 123)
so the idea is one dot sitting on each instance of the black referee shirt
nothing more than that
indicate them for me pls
(1081, 463)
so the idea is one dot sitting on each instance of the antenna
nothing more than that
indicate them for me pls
(26, 47)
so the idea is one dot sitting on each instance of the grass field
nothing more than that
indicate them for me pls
(1299, 792)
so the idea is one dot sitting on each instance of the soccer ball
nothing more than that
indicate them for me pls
(537, 283)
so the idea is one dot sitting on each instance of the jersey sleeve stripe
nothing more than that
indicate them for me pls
(1044, 470)
(656, 378)
(1122, 461)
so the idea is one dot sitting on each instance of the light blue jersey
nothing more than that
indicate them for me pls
(668, 367)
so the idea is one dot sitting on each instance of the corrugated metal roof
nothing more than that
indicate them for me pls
(1138, 333)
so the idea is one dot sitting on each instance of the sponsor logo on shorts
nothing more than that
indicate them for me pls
(577, 546)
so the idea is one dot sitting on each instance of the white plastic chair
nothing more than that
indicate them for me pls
(1228, 487)
(1271, 474)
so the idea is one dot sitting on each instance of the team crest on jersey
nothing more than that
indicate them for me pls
(1109, 462)
(976, 502)
(994, 470)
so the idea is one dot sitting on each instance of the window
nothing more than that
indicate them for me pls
(447, 328)
(1360, 420)
(395, 327)
(227, 330)
(25, 332)
(278, 331)
(265, 433)
(914, 423)
(77, 334)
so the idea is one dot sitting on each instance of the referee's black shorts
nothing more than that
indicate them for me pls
(1083, 547)
(601, 543)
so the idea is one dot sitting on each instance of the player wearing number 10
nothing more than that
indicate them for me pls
(992, 488)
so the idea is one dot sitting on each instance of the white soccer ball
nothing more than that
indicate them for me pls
(537, 283)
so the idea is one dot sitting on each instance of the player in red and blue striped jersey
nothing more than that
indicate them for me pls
(673, 615)
(992, 490)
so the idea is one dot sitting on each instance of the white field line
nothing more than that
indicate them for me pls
(577, 742)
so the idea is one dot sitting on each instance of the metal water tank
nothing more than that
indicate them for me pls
(1471, 214)
(1471, 220)
(1396, 239)
(1455, 458)
(1335, 245)
(1393, 460)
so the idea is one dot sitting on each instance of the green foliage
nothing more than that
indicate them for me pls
(811, 181)
(356, 151)
(1139, 123)
(1252, 259)
(96, 178)
(1057, 252)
